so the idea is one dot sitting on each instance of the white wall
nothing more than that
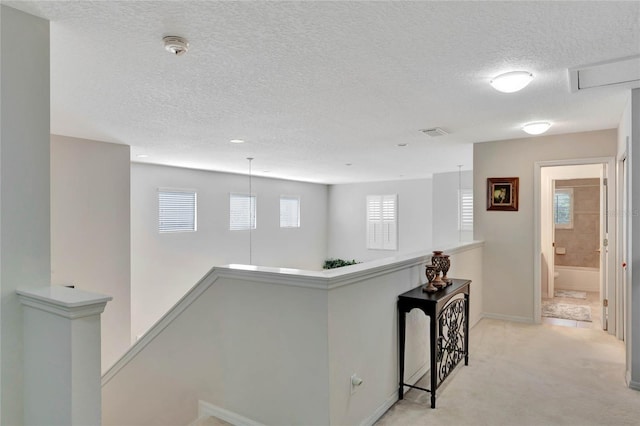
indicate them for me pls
(509, 236)
(24, 188)
(445, 207)
(90, 230)
(630, 126)
(347, 218)
(279, 347)
(363, 335)
(250, 345)
(165, 266)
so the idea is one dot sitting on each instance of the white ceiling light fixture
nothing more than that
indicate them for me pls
(236, 141)
(176, 45)
(513, 81)
(537, 128)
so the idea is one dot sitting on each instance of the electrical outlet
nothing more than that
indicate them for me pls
(355, 383)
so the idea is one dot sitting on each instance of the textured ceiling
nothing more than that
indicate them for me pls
(312, 86)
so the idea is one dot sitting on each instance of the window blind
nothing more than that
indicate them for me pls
(242, 212)
(289, 212)
(563, 208)
(176, 211)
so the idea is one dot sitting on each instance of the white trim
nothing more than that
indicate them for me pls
(161, 324)
(511, 318)
(537, 281)
(65, 302)
(383, 408)
(320, 280)
(393, 398)
(633, 385)
(206, 409)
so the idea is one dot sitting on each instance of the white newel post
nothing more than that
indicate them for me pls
(62, 356)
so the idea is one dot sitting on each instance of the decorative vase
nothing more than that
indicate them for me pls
(445, 263)
(436, 259)
(431, 275)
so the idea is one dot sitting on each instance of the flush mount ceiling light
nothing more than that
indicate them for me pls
(236, 141)
(176, 45)
(513, 81)
(536, 128)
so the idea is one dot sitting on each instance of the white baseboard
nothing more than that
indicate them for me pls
(391, 399)
(508, 318)
(379, 412)
(207, 409)
(632, 383)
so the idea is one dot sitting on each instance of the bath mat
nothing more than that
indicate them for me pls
(566, 311)
(571, 294)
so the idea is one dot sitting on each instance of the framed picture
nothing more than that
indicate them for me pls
(502, 193)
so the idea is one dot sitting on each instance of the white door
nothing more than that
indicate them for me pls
(604, 245)
(552, 258)
(624, 248)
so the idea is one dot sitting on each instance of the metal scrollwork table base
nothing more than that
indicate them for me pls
(448, 330)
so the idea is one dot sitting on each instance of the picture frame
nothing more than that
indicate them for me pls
(502, 193)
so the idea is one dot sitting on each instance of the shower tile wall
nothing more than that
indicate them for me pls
(581, 242)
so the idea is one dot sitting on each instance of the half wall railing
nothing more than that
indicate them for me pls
(279, 346)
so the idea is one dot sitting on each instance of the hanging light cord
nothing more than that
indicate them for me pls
(459, 202)
(250, 213)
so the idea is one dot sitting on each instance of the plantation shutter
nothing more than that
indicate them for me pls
(242, 212)
(465, 210)
(176, 210)
(289, 212)
(382, 222)
(374, 222)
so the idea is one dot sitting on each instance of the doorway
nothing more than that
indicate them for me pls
(574, 248)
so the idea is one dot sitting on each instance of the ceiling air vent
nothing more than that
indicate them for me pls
(622, 71)
(436, 131)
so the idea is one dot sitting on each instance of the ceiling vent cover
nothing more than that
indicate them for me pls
(436, 131)
(623, 72)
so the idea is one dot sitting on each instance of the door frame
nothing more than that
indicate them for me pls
(612, 286)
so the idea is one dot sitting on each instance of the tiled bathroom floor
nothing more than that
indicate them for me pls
(592, 300)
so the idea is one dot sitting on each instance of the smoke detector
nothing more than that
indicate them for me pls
(176, 45)
(436, 131)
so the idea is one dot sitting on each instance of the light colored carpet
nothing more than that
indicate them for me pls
(566, 311)
(529, 375)
(210, 421)
(572, 294)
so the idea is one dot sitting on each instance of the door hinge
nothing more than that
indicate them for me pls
(605, 302)
(605, 242)
(605, 181)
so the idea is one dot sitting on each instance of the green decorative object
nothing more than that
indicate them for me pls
(337, 263)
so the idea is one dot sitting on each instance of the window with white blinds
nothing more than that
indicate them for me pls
(289, 212)
(177, 210)
(242, 212)
(465, 210)
(382, 222)
(563, 208)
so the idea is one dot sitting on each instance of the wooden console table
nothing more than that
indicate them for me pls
(448, 326)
